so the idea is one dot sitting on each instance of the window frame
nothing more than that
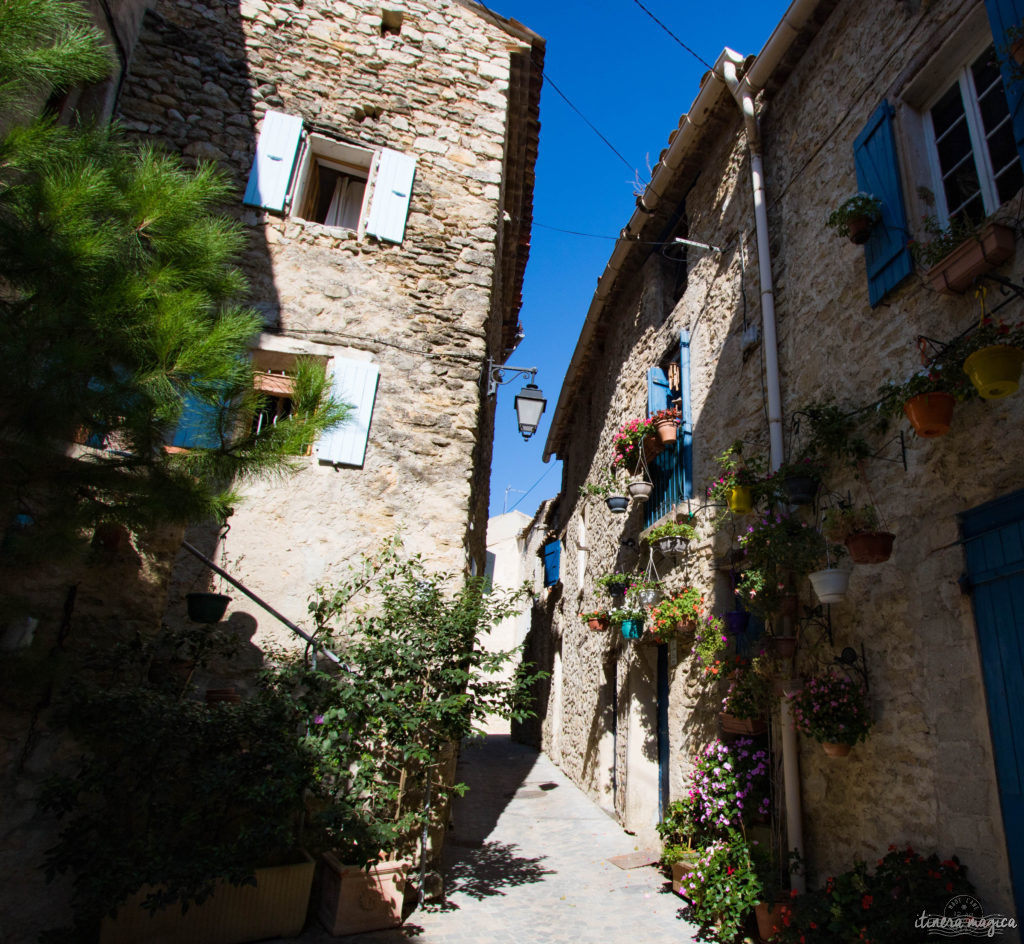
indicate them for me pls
(354, 161)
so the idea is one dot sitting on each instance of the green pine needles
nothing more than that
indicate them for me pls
(121, 301)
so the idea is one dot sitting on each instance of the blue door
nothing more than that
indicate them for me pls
(994, 543)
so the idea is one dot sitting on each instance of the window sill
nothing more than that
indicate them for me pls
(957, 272)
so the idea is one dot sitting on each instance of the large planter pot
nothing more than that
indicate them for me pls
(931, 414)
(274, 907)
(995, 370)
(733, 725)
(981, 253)
(354, 900)
(741, 500)
(836, 750)
(870, 547)
(632, 629)
(639, 491)
(206, 607)
(666, 431)
(800, 489)
(830, 584)
(617, 504)
(598, 625)
(769, 918)
(680, 870)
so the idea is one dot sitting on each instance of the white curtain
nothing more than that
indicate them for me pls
(346, 202)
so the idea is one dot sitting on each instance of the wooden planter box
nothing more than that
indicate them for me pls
(353, 900)
(955, 273)
(274, 907)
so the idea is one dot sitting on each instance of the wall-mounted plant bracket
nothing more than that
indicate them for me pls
(849, 661)
(901, 458)
(1006, 288)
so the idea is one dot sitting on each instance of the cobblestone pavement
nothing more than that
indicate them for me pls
(527, 863)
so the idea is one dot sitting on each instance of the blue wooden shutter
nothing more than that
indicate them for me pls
(886, 253)
(994, 546)
(672, 470)
(552, 560)
(658, 394)
(198, 427)
(355, 383)
(392, 188)
(686, 429)
(276, 151)
(1002, 15)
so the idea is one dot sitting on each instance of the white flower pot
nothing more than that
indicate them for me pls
(830, 584)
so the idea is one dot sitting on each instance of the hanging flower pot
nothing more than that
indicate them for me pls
(870, 547)
(206, 607)
(957, 271)
(995, 370)
(617, 504)
(671, 546)
(639, 491)
(930, 413)
(836, 750)
(830, 584)
(649, 596)
(733, 725)
(859, 229)
(800, 489)
(736, 622)
(741, 500)
(632, 628)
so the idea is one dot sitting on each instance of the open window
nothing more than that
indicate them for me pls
(325, 180)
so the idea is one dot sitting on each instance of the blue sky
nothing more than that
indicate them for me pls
(632, 81)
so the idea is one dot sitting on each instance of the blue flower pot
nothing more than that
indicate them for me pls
(632, 629)
(617, 503)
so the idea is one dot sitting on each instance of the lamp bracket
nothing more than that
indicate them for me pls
(496, 375)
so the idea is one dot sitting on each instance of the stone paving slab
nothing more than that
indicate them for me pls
(527, 863)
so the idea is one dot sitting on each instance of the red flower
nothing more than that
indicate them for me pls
(949, 886)
(866, 901)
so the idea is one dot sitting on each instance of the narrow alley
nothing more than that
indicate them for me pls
(528, 863)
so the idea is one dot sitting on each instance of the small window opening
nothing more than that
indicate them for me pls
(272, 410)
(390, 22)
(334, 196)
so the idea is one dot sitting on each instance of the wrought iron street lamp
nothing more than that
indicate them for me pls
(530, 402)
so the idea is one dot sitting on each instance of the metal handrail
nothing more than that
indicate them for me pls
(195, 552)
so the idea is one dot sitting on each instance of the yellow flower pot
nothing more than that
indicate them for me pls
(741, 501)
(995, 370)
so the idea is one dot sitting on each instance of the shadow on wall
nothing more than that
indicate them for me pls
(539, 648)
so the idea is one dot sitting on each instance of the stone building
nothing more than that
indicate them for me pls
(383, 159)
(383, 164)
(764, 311)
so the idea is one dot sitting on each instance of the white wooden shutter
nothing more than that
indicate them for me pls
(392, 188)
(353, 382)
(272, 167)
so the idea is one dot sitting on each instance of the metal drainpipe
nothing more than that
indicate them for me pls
(745, 99)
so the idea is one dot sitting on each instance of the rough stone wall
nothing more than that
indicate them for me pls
(925, 775)
(424, 311)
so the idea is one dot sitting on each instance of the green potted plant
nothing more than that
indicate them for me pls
(615, 584)
(709, 642)
(606, 487)
(927, 398)
(955, 255)
(596, 620)
(630, 620)
(665, 424)
(992, 357)
(723, 887)
(832, 709)
(678, 855)
(798, 481)
(634, 444)
(748, 700)
(775, 546)
(858, 528)
(739, 486)
(677, 613)
(672, 537)
(644, 590)
(856, 217)
(831, 435)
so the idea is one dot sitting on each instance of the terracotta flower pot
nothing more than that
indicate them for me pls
(870, 547)
(769, 918)
(597, 625)
(836, 750)
(666, 430)
(733, 725)
(981, 253)
(222, 696)
(782, 647)
(995, 370)
(930, 413)
(741, 500)
(354, 900)
(859, 229)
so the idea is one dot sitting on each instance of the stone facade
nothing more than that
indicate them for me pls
(449, 85)
(926, 774)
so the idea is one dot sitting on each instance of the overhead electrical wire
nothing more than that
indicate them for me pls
(700, 59)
